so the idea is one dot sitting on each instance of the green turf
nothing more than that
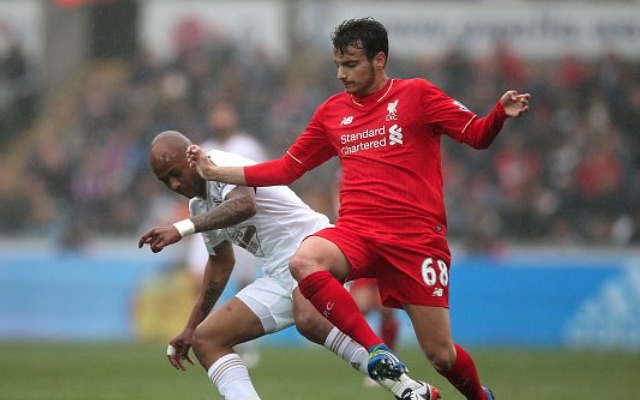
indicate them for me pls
(140, 372)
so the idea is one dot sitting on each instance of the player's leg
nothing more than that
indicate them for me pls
(213, 342)
(319, 266)
(365, 293)
(319, 330)
(433, 329)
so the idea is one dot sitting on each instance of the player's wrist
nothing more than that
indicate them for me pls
(207, 172)
(185, 227)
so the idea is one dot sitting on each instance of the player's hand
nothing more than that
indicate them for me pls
(178, 350)
(198, 159)
(515, 104)
(160, 237)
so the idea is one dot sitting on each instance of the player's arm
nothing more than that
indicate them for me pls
(270, 173)
(215, 279)
(207, 169)
(309, 150)
(481, 132)
(239, 205)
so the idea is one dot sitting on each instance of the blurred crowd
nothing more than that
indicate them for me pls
(565, 174)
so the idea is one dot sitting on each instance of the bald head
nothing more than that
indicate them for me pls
(168, 160)
(168, 146)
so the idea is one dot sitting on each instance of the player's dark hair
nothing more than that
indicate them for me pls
(364, 33)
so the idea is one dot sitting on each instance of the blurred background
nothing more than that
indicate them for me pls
(544, 226)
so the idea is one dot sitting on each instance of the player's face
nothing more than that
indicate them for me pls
(178, 176)
(356, 73)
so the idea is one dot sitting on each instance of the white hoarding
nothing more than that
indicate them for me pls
(249, 24)
(21, 22)
(534, 29)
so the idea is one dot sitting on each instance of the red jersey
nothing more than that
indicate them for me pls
(389, 148)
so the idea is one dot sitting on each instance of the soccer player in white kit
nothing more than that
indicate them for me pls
(270, 223)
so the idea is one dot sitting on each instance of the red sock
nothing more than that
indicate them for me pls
(389, 332)
(464, 376)
(337, 305)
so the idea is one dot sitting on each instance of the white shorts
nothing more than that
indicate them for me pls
(269, 297)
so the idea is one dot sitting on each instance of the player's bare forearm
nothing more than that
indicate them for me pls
(214, 282)
(207, 169)
(215, 279)
(233, 175)
(211, 295)
(230, 212)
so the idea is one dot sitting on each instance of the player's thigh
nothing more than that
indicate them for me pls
(230, 324)
(309, 322)
(332, 249)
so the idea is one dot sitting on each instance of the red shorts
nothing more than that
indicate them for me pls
(409, 270)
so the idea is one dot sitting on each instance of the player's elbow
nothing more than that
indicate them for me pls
(482, 145)
(479, 143)
(251, 209)
(246, 207)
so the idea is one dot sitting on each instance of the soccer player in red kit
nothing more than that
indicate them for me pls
(392, 223)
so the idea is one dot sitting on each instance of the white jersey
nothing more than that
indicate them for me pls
(273, 234)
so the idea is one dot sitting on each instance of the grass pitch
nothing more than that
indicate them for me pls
(51, 371)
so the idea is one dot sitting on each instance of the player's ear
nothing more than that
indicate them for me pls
(380, 60)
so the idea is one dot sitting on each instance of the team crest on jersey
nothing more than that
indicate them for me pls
(346, 120)
(392, 111)
(461, 106)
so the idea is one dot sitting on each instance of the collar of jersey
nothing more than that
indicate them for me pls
(375, 97)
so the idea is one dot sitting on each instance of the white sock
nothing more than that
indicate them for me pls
(356, 355)
(347, 349)
(231, 377)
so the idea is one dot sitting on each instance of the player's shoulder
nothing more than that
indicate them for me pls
(335, 99)
(417, 83)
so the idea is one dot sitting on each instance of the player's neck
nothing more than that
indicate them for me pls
(381, 89)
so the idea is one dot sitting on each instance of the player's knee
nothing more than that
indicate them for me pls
(198, 341)
(204, 340)
(312, 326)
(301, 266)
(442, 359)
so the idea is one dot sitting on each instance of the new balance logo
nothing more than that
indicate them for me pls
(437, 292)
(395, 134)
(346, 120)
